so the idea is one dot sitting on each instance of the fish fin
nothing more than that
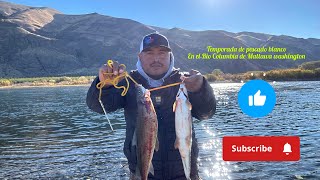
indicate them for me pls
(157, 145)
(151, 169)
(137, 174)
(176, 144)
(189, 105)
(174, 106)
(134, 139)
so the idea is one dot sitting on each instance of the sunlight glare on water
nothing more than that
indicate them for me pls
(213, 166)
(49, 133)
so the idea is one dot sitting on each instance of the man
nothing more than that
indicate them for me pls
(155, 67)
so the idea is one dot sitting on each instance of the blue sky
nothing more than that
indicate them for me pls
(298, 18)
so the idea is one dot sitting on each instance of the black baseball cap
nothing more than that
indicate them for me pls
(154, 40)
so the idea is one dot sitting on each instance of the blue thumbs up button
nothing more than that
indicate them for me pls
(256, 98)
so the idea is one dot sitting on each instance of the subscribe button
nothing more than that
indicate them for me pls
(261, 148)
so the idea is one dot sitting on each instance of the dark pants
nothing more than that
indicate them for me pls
(133, 177)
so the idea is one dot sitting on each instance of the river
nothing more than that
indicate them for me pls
(49, 133)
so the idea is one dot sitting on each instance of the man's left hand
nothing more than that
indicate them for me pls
(194, 81)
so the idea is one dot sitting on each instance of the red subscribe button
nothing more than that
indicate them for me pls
(261, 148)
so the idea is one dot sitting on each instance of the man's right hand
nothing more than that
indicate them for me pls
(116, 69)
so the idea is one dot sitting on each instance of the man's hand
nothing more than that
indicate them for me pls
(115, 68)
(194, 81)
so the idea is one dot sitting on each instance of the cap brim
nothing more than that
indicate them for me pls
(148, 48)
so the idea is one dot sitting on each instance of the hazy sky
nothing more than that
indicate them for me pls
(299, 18)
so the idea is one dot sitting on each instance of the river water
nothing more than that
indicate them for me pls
(49, 133)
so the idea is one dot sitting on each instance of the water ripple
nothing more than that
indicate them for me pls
(49, 133)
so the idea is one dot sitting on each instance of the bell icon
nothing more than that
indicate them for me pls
(287, 148)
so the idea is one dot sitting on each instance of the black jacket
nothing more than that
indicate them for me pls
(167, 162)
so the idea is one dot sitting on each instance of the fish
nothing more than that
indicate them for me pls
(145, 137)
(183, 126)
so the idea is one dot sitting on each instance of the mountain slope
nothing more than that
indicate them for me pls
(39, 41)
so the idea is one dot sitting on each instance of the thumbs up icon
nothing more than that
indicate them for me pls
(257, 99)
(252, 98)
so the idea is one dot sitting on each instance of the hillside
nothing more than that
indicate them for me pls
(40, 41)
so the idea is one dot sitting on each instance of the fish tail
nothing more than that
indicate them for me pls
(186, 161)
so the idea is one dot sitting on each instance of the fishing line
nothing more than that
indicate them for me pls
(114, 80)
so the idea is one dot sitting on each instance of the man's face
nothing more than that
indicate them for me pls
(155, 61)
